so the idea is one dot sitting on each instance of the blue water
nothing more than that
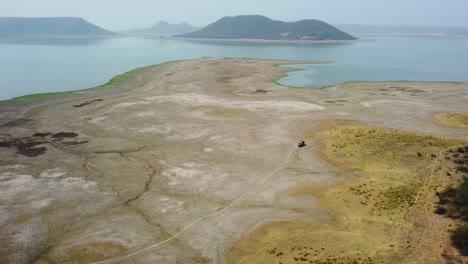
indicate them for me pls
(50, 65)
(415, 59)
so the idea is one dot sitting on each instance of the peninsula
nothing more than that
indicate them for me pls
(197, 162)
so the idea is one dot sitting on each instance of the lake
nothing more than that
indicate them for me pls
(50, 65)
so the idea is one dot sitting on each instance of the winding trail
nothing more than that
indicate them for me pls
(211, 216)
(422, 191)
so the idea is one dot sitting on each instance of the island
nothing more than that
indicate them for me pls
(263, 28)
(163, 28)
(49, 27)
(197, 161)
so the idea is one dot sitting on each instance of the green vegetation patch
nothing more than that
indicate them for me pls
(453, 201)
(39, 96)
(459, 238)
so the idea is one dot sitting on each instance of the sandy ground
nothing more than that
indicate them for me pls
(195, 161)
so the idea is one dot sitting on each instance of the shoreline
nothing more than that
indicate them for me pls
(271, 41)
(297, 68)
(60, 37)
(413, 35)
(47, 84)
(114, 80)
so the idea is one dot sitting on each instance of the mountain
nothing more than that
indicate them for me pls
(260, 27)
(49, 26)
(164, 28)
(402, 30)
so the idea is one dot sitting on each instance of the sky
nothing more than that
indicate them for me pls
(129, 14)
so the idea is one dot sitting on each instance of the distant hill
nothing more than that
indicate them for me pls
(164, 28)
(260, 27)
(50, 26)
(402, 30)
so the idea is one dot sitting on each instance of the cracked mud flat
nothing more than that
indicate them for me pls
(196, 162)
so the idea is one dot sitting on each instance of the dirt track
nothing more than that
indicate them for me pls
(181, 162)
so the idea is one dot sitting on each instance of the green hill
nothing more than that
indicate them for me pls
(260, 27)
(49, 26)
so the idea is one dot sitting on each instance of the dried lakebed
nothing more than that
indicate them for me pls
(196, 162)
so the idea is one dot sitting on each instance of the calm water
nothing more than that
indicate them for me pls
(37, 66)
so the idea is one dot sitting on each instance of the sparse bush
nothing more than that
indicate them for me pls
(442, 197)
(461, 194)
(463, 211)
(419, 154)
(440, 210)
(462, 169)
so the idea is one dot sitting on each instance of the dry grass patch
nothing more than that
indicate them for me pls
(23, 219)
(352, 146)
(91, 252)
(214, 111)
(385, 214)
(452, 119)
(288, 242)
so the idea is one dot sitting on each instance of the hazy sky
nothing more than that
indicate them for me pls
(126, 14)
